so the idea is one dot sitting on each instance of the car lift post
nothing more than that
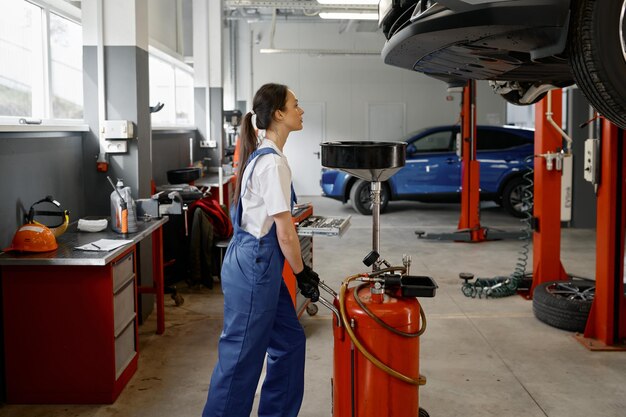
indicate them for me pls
(547, 264)
(606, 325)
(470, 168)
(469, 228)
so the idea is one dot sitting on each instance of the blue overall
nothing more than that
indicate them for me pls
(259, 318)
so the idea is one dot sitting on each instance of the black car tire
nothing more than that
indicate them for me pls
(361, 197)
(512, 196)
(562, 311)
(597, 55)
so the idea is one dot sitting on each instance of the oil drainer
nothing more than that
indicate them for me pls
(378, 321)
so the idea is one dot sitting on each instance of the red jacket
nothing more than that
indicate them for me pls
(222, 226)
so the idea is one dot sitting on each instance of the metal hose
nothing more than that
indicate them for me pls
(385, 325)
(344, 317)
(504, 286)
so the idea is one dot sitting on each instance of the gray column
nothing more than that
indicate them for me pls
(127, 96)
(126, 78)
(583, 196)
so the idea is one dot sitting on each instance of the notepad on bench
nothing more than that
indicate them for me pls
(104, 245)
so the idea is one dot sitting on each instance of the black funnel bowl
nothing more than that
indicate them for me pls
(370, 161)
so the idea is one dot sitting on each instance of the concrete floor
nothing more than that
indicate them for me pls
(481, 357)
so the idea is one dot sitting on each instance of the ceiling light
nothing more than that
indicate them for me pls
(350, 2)
(349, 15)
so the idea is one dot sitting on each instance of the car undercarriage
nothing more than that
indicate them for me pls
(523, 47)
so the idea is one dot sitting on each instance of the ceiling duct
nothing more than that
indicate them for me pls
(304, 51)
(292, 10)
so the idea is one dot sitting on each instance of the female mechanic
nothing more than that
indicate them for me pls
(259, 316)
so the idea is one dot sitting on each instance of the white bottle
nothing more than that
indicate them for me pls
(116, 208)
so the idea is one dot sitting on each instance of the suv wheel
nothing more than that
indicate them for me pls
(597, 51)
(361, 197)
(517, 197)
(564, 304)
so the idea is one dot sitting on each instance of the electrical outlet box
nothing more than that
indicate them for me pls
(208, 144)
(116, 146)
(118, 129)
(592, 165)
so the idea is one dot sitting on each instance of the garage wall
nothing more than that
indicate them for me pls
(170, 150)
(34, 165)
(584, 201)
(164, 24)
(348, 85)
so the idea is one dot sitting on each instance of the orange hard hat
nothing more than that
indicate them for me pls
(33, 238)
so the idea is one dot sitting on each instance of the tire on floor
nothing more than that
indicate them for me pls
(563, 309)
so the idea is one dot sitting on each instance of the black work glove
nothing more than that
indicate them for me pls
(308, 281)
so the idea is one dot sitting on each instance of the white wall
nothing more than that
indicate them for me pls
(164, 20)
(346, 84)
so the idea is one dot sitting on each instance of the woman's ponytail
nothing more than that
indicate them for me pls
(248, 145)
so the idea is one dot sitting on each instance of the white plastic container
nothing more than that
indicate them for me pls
(116, 208)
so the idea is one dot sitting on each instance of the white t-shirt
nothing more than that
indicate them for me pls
(267, 193)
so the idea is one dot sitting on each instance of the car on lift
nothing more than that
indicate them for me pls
(523, 47)
(432, 172)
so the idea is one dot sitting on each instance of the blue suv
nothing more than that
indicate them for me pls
(433, 170)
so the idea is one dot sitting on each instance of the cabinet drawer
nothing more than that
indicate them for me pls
(124, 348)
(122, 270)
(124, 307)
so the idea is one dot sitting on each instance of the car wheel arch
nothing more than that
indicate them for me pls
(512, 198)
(352, 180)
(349, 184)
(511, 176)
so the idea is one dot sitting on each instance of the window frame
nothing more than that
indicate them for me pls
(507, 137)
(175, 61)
(416, 152)
(42, 81)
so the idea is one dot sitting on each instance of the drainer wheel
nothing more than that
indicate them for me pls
(312, 309)
(178, 299)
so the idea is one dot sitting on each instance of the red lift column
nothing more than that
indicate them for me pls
(470, 168)
(547, 194)
(606, 325)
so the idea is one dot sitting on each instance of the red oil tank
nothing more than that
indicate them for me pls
(360, 389)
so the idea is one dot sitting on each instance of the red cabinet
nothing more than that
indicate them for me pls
(70, 332)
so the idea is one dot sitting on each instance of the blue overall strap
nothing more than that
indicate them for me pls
(294, 198)
(257, 152)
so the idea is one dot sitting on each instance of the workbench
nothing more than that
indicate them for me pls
(212, 182)
(70, 317)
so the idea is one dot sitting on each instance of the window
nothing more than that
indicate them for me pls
(171, 83)
(66, 68)
(40, 63)
(20, 27)
(434, 142)
(493, 139)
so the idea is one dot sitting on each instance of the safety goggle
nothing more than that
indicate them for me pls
(63, 214)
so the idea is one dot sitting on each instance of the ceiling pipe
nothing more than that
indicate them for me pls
(549, 114)
(315, 52)
(273, 29)
(298, 5)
